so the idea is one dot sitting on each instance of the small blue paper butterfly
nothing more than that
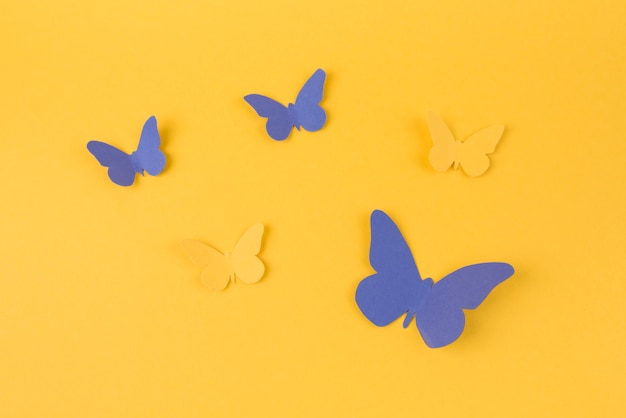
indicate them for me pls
(397, 288)
(123, 167)
(306, 112)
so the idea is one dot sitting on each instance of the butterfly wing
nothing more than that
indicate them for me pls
(473, 152)
(443, 153)
(247, 266)
(279, 123)
(120, 164)
(148, 156)
(216, 267)
(394, 289)
(440, 318)
(310, 114)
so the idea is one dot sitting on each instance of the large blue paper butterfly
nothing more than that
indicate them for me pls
(306, 112)
(123, 167)
(397, 288)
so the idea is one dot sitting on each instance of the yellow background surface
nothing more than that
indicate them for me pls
(103, 315)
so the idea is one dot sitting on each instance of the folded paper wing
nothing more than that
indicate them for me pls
(440, 318)
(216, 267)
(246, 265)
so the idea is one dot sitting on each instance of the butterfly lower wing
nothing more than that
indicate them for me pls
(310, 114)
(473, 152)
(247, 266)
(148, 156)
(394, 289)
(382, 299)
(279, 122)
(216, 271)
(439, 322)
(440, 318)
(121, 170)
(443, 153)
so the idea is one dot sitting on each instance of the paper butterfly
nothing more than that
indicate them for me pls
(220, 269)
(306, 112)
(397, 288)
(470, 154)
(123, 167)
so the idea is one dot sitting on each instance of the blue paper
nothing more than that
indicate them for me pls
(123, 167)
(306, 112)
(398, 289)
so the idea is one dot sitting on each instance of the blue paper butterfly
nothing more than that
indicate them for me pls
(123, 167)
(397, 288)
(306, 112)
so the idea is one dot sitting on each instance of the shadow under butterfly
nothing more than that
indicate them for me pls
(397, 288)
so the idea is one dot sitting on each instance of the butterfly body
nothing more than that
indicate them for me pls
(397, 288)
(220, 269)
(123, 167)
(305, 112)
(293, 116)
(421, 293)
(470, 154)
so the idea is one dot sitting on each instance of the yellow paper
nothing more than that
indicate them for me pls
(102, 314)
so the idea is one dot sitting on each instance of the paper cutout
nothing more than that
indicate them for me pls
(471, 154)
(123, 167)
(306, 112)
(398, 289)
(220, 269)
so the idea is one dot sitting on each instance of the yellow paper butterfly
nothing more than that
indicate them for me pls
(220, 269)
(470, 154)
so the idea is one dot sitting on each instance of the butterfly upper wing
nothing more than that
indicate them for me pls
(148, 155)
(473, 152)
(279, 122)
(440, 318)
(216, 267)
(394, 289)
(247, 266)
(121, 170)
(309, 113)
(443, 153)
